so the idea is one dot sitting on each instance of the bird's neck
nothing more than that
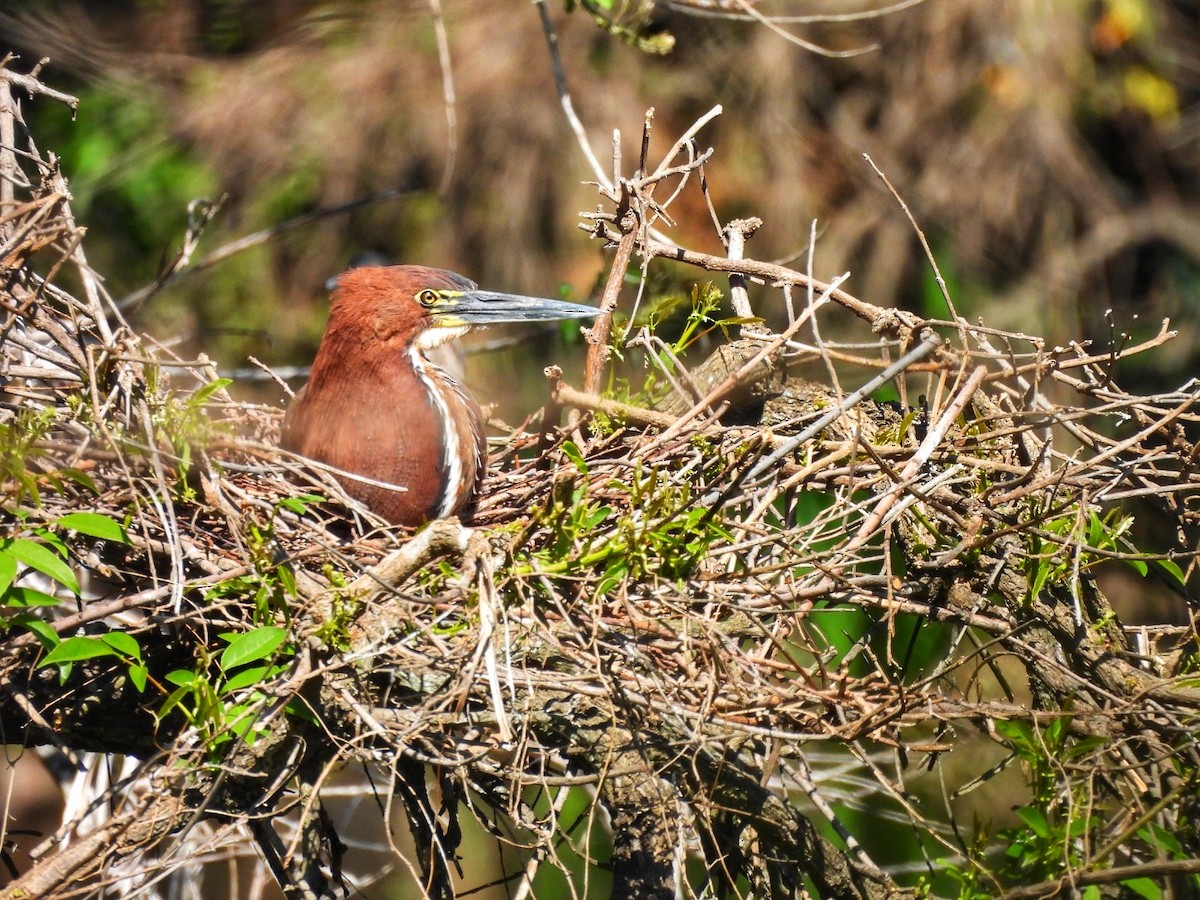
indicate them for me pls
(438, 451)
(461, 423)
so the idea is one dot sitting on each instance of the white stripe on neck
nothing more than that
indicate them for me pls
(450, 495)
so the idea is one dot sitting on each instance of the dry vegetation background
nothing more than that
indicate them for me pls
(1047, 149)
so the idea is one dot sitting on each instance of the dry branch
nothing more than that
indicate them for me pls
(643, 613)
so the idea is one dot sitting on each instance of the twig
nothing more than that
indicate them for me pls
(735, 235)
(232, 248)
(443, 45)
(597, 336)
(564, 96)
(929, 342)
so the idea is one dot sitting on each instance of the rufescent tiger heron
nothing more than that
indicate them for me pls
(405, 438)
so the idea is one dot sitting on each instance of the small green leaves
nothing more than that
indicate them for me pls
(94, 525)
(1144, 887)
(300, 504)
(83, 647)
(42, 549)
(41, 629)
(8, 571)
(629, 21)
(253, 645)
(1035, 821)
(661, 534)
(76, 649)
(203, 394)
(227, 704)
(1173, 569)
(42, 558)
(572, 452)
(183, 422)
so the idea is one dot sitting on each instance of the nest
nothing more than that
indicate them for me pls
(688, 615)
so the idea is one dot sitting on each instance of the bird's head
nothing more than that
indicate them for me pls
(427, 307)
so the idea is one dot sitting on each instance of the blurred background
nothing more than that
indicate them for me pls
(1048, 149)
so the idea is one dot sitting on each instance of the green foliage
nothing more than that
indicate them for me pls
(660, 534)
(113, 643)
(1071, 544)
(1060, 826)
(44, 550)
(95, 525)
(705, 301)
(19, 447)
(334, 632)
(183, 422)
(272, 583)
(18, 441)
(1057, 822)
(973, 879)
(124, 164)
(1163, 844)
(663, 311)
(45, 553)
(224, 705)
(628, 20)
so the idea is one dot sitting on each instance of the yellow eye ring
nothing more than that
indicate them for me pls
(427, 298)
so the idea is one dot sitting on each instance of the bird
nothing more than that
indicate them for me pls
(403, 436)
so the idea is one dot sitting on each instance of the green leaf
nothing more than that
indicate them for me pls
(253, 645)
(1014, 730)
(202, 395)
(1085, 746)
(123, 644)
(174, 699)
(1157, 836)
(298, 709)
(38, 556)
(614, 574)
(53, 542)
(8, 571)
(574, 454)
(138, 675)
(182, 677)
(74, 649)
(244, 679)
(81, 478)
(287, 580)
(41, 629)
(598, 517)
(94, 525)
(299, 505)
(1173, 567)
(1144, 887)
(26, 596)
(1057, 730)
(1036, 820)
(244, 723)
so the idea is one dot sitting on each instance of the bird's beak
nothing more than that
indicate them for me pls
(454, 309)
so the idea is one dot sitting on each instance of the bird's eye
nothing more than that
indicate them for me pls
(427, 298)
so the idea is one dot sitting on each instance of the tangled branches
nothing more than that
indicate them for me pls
(706, 623)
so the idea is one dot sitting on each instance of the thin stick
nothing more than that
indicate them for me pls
(597, 336)
(929, 342)
(443, 46)
(241, 244)
(564, 96)
(937, 273)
